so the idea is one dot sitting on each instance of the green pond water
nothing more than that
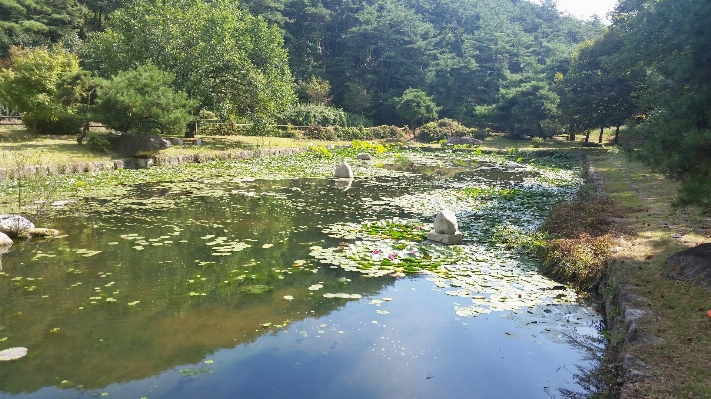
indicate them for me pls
(222, 285)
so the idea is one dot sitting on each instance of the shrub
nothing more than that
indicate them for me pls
(537, 142)
(358, 120)
(317, 132)
(580, 261)
(445, 128)
(313, 114)
(99, 144)
(387, 132)
(65, 124)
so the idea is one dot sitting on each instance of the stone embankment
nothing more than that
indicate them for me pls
(142, 162)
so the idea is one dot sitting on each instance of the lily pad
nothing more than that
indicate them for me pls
(13, 353)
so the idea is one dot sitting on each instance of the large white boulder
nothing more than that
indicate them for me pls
(446, 222)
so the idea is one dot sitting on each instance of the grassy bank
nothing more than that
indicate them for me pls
(680, 366)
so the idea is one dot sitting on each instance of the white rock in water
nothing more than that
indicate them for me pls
(449, 239)
(5, 240)
(343, 170)
(515, 165)
(13, 353)
(15, 226)
(446, 222)
(363, 156)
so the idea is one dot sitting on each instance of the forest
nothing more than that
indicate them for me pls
(510, 66)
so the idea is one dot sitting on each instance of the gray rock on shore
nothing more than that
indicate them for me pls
(691, 264)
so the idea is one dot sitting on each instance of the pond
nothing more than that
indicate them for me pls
(269, 280)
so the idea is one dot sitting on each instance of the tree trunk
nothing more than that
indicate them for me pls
(571, 133)
(84, 132)
(599, 140)
(587, 136)
(192, 129)
(617, 134)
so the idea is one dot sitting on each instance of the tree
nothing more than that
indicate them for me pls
(523, 109)
(29, 84)
(228, 60)
(415, 104)
(74, 92)
(598, 93)
(30, 23)
(315, 90)
(142, 101)
(671, 40)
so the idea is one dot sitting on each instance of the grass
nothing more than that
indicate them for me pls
(20, 148)
(681, 365)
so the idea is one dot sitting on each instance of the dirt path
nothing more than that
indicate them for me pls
(666, 351)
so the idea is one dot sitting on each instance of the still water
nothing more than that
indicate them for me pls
(211, 289)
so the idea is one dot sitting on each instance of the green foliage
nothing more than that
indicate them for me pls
(313, 114)
(318, 132)
(99, 144)
(512, 237)
(653, 65)
(415, 104)
(397, 230)
(387, 132)
(446, 128)
(537, 142)
(523, 109)
(228, 60)
(63, 124)
(142, 101)
(32, 23)
(580, 261)
(314, 91)
(28, 84)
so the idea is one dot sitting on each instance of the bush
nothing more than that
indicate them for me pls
(65, 124)
(537, 142)
(580, 261)
(99, 144)
(313, 114)
(445, 128)
(386, 132)
(358, 120)
(317, 132)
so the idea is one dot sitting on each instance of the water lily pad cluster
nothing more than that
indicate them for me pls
(492, 277)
